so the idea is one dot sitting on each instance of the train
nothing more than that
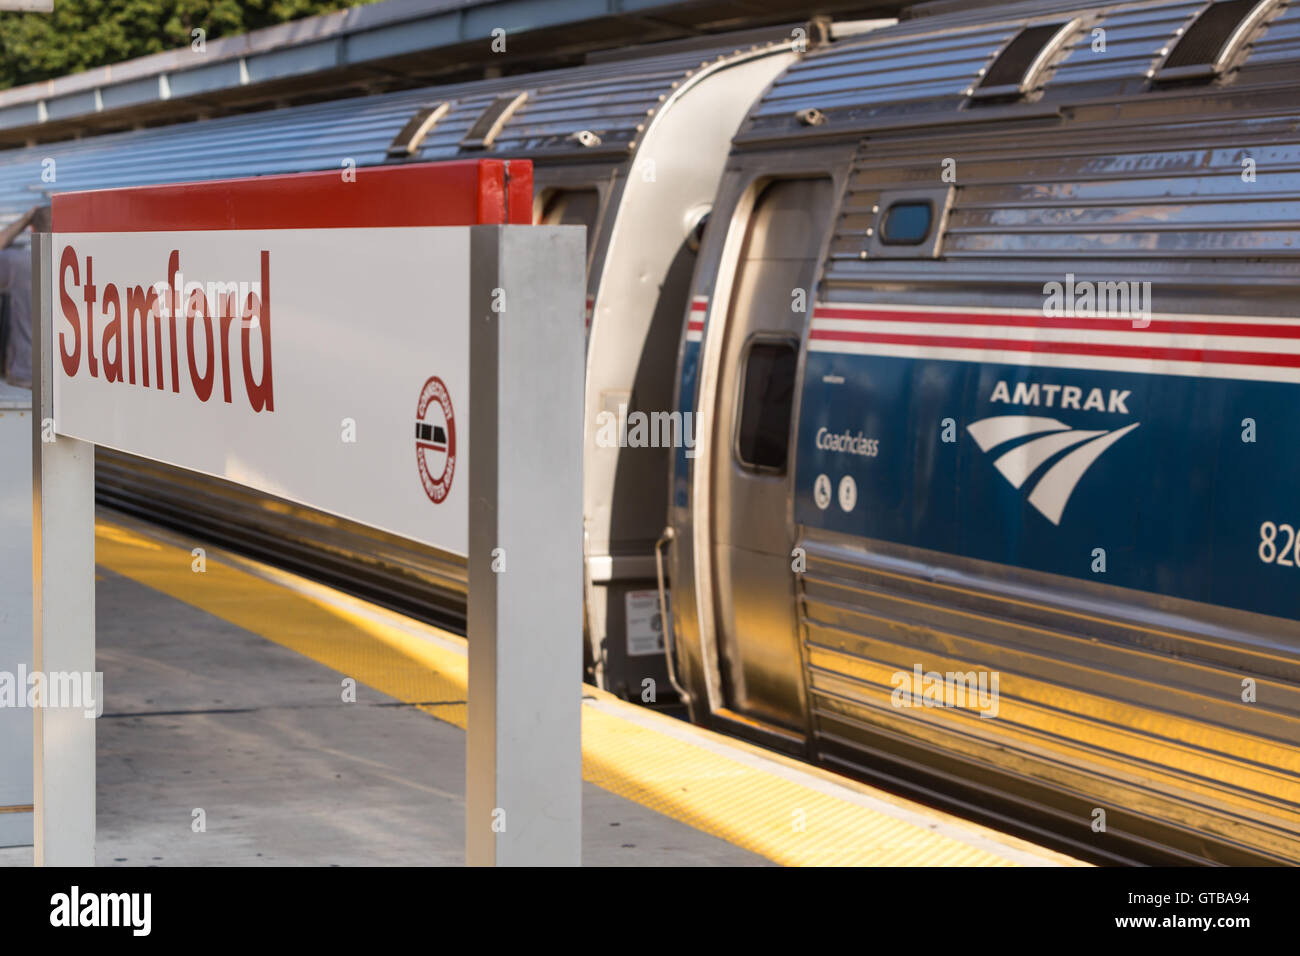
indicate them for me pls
(980, 329)
(630, 146)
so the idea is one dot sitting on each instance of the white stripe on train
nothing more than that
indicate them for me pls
(1143, 337)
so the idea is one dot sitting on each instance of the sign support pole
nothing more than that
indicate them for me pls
(524, 754)
(63, 602)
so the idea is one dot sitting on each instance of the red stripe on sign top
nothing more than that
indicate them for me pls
(492, 196)
(462, 193)
(1211, 356)
(519, 192)
(700, 306)
(1170, 326)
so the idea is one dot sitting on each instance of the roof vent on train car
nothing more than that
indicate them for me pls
(491, 121)
(1205, 49)
(1019, 67)
(411, 137)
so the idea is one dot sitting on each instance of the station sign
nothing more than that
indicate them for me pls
(306, 335)
(398, 346)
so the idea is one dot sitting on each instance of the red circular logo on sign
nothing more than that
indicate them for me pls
(435, 439)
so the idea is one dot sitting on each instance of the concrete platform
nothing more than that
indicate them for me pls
(201, 714)
(224, 695)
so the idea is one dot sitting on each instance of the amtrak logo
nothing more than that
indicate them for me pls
(1052, 491)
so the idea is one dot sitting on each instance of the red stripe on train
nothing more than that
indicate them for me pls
(1172, 326)
(1203, 356)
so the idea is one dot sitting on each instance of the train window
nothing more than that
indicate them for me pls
(1018, 68)
(1219, 31)
(571, 207)
(907, 223)
(767, 398)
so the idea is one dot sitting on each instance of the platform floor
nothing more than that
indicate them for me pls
(224, 695)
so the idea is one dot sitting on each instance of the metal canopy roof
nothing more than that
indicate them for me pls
(614, 101)
(372, 48)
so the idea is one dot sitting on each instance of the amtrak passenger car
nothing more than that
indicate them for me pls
(996, 366)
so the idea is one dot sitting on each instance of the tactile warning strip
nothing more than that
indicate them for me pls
(778, 808)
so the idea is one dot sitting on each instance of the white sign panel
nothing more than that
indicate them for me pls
(328, 367)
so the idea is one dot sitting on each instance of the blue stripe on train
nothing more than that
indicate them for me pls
(685, 403)
(1178, 504)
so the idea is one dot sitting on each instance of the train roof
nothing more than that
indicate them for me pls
(986, 63)
(592, 112)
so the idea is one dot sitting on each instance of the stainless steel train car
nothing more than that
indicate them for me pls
(631, 146)
(994, 351)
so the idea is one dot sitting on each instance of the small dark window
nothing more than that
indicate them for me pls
(907, 223)
(766, 402)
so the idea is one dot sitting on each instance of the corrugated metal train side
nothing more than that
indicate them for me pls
(1164, 702)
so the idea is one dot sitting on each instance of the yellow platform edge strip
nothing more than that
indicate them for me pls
(767, 813)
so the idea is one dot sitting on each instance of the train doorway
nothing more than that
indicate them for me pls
(753, 477)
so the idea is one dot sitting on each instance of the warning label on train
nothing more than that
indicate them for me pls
(645, 625)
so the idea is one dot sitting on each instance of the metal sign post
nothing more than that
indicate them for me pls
(239, 329)
(524, 709)
(63, 603)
